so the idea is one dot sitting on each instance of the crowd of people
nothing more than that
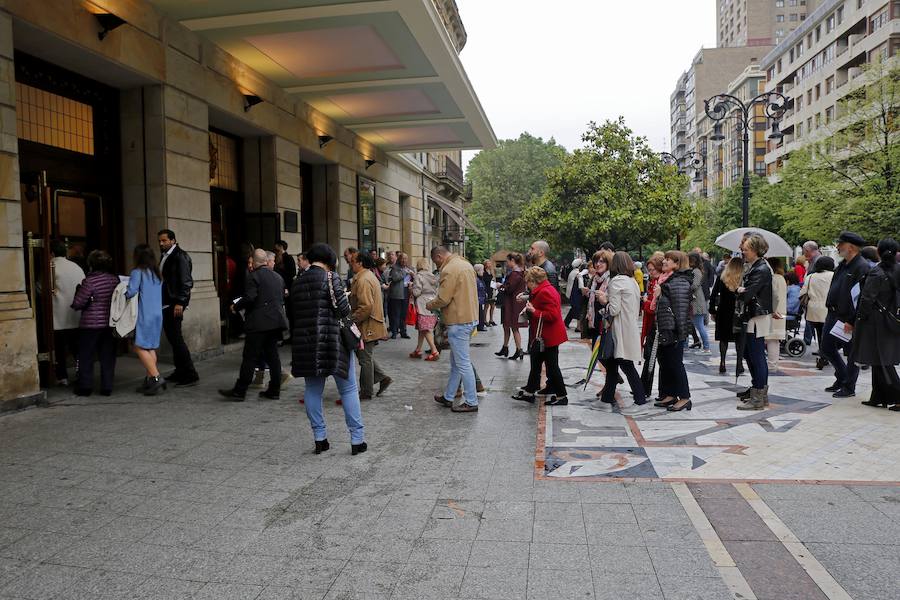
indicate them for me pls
(632, 312)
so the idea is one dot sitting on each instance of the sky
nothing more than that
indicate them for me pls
(550, 67)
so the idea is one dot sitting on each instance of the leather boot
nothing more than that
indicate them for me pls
(754, 402)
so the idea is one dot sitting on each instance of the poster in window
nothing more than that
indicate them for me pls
(366, 214)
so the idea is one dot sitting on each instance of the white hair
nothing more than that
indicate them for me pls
(810, 246)
(270, 256)
(543, 246)
(259, 257)
(479, 269)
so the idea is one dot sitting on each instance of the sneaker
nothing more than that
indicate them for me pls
(557, 401)
(439, 398)
(259, 378)
(844, 393)
(601, 406)
(635, 409)
(464, 408)
(834, 388)
(705, 351)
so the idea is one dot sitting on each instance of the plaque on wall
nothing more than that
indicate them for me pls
(291, 220)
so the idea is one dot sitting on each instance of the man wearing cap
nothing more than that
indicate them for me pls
(850, 272)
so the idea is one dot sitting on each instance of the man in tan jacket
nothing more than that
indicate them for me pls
(368, 313)
(457, 300)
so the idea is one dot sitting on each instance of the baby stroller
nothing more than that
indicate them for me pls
(793, 344)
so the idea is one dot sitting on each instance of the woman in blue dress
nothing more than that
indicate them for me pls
(145, 280)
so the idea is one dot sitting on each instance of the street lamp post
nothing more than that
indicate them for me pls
(718, 108)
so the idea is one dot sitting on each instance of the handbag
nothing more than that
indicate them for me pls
(411, 314)
(537, 344)
(607, 341)
(351, 337)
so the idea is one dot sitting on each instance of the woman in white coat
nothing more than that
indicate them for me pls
(66, 277)
(814, 292)
(623, 302)
(778, 332)
(424, 290)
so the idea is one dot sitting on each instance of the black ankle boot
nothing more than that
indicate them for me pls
(504, 351)
(321, 446)
(154, 386)
(358, 448)
(517, 355)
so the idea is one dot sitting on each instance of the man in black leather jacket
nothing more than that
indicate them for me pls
(850, 272)
(265, 320)
(175, 266)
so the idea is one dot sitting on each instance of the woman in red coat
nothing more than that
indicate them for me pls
(547, 333)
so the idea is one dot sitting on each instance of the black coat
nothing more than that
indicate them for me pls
(874, 343)
(316, 345)
(287, 270)
(673, 319)
(847, 274)
(177, 281)
(263, 300)
(756, 299)
(721, 306)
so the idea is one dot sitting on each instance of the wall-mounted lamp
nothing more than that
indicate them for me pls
(250, 100)
(369, 163)
(108, 22)
(324, 139)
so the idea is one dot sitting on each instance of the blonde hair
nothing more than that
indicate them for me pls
(535, 275)
(657, 260)
(423, 264)
(734, 271)
(801, 260)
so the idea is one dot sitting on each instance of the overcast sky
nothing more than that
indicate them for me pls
(549, 67)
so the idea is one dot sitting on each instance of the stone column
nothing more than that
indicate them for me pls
(19, 385)
(387, 216)
(177, 149)
(287, 191)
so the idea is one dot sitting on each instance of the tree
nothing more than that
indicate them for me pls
(504, 179)
(616, 188)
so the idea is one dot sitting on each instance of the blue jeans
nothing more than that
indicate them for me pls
(349, 393)
(460, 364)
(755, 355)
(698, 321)
(845, 373)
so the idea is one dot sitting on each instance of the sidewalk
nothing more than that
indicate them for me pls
(183, 496)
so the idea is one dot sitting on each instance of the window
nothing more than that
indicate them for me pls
(818, 33)
(224, 154)
(809, 126)
(779, 18)
(829, 23)
(818, 120)
(829, 114)
(792, 3)
(793, 16)
(808, 97)
(779, 33)
(803, 17)
(366, 213)
(799, 130)
(840, 15)
(779, 3)
(829, 85)
(878, 20)
(798, 103)
(46, 118)
(818, 91)
(809, 41)
(799, 50)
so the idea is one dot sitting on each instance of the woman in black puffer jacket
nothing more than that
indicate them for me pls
(673, 322)
(753, 312)
(317, 301)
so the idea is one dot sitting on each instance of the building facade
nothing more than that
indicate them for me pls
(821, 63)
(712, 72)
(759, 22)
(231, 127)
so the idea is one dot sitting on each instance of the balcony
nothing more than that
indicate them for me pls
(450, 175)
(453, 234)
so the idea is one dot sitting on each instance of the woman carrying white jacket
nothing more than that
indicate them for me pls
(814, 292)
(623, 303)
(424, 290)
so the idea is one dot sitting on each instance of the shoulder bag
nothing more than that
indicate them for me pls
(351, 337)
(537, 344)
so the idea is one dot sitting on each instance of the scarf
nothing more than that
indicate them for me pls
(656, 293)
(600, 283)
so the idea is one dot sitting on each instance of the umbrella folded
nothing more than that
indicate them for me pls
(732, 241)
(595, 355)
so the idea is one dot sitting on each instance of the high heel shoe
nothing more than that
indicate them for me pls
(504, 351)
(517, 355)
(322, 446)
(665, 403)
(358, 448)
(721, 367)
(675, 408)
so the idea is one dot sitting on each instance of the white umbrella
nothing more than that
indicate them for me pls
(732, 241)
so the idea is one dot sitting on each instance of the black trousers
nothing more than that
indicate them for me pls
(673, 379)
(184, 366)
(397, 306)
(102, 343)
(260, 344)
(612, 379)
(549, 358)
(65, 343)
(885, 384)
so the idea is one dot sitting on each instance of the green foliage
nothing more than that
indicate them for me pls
(504, 180)
(616, 188)
(479, 245)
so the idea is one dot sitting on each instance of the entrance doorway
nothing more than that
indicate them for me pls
(68, 135)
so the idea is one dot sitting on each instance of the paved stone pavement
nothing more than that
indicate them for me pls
(183, 496)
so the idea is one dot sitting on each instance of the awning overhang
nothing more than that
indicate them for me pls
(454, 212)
(385, 69)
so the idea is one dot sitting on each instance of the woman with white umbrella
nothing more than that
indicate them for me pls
(754, 312)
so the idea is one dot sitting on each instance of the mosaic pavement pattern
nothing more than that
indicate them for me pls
(805, 435)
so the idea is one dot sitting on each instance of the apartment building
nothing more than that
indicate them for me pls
(759, 22)
(821, 63)
(712, 72)
(339, 121)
